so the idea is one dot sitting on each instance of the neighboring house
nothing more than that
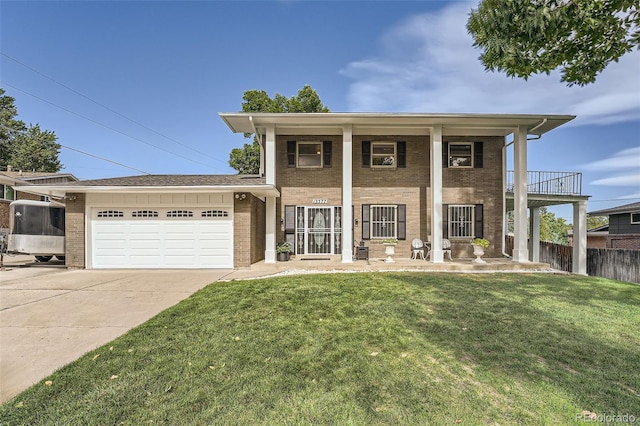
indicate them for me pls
(596, 237)
(11, 178)
(624, 226)
(327, 181)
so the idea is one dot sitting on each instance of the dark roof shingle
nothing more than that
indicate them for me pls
(175, 180)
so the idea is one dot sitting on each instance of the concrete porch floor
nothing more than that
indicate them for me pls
(324, 264)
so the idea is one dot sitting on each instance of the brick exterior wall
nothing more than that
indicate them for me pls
(4, 214)
(624, 241)
(409, 186)
(249, 229)
(74, 231)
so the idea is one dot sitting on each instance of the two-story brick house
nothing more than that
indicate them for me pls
(327, 181)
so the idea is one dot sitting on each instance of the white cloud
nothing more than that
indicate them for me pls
(625, 159)
(635, 196)
(621, 180)
(427, 63)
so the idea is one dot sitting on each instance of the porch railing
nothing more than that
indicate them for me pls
(550, 183)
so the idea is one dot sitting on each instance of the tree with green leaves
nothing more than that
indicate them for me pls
(580, 37)
(596, 221)
(246, 160)
(552, 229)
(25, 147)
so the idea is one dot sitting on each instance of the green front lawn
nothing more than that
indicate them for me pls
(367, 348)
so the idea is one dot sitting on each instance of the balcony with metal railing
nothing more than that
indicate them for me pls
(549, 183)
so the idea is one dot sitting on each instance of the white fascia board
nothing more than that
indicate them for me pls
(537, 123)
(60, 191)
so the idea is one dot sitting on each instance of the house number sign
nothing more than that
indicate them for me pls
(319, 202)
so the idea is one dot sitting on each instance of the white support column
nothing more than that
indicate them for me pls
(437, 255)
(270, 205)
(270, 234)
(270, 156)
(520, 252)
(347, 194)
(534, 240)
(580, 238)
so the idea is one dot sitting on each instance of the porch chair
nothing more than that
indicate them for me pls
(417, 249)
(446, 247)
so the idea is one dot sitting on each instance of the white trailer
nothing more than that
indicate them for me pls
(36, 228)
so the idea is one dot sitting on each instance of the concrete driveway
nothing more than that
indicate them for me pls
(50, 316)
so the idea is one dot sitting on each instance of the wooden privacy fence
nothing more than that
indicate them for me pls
(614, 264)
(557, 256)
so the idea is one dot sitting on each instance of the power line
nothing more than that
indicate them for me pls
(106, 107)
(104, 159)
(94, 156)
(103, 125)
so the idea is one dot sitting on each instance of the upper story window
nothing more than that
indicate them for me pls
(384, 155)
(460, 154)
(309, 154)
(635, 218)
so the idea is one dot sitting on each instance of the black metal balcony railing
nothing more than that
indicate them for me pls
(550, 183)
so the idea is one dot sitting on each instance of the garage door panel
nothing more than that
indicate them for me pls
(162, 243)
(143, 261)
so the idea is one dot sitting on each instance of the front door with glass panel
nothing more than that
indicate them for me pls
(318, 230)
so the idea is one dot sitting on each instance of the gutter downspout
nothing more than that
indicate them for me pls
(534, 128)
(505, 227)
(259, 138)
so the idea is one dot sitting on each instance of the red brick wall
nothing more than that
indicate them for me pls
(4, 214)
(624, 241)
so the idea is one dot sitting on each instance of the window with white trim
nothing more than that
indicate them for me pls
(461, 221)
(635, 218)
(7, 192)
(460, 154)
(383, 221)
(309, 154)
(383, 154)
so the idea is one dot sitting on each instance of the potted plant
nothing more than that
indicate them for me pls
(390, 248)
(283, 249)
(479, 244)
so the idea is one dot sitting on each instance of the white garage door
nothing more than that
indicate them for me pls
(161, 238)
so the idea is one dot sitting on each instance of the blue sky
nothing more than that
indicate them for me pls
(141, 83)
